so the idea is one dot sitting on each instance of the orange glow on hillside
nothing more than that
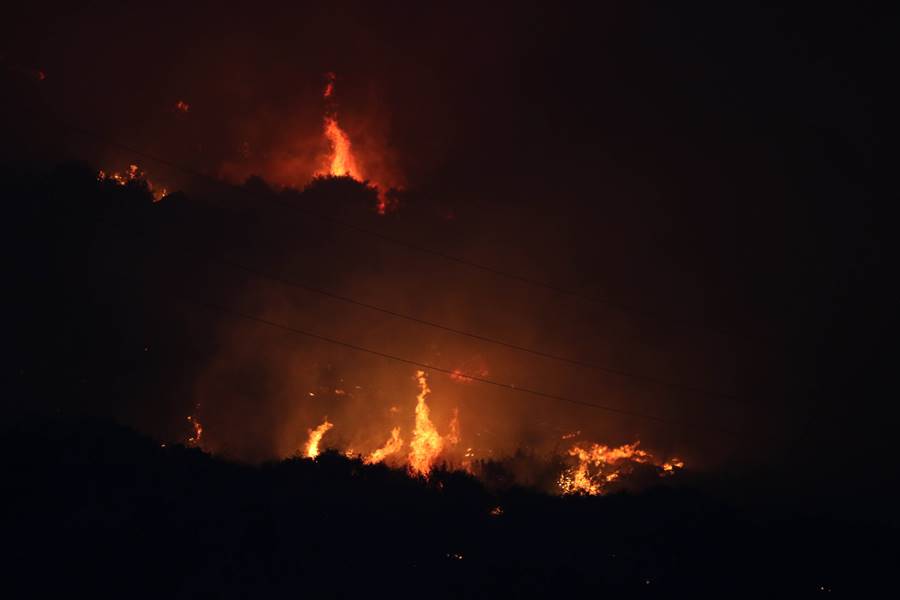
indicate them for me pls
(672, 465)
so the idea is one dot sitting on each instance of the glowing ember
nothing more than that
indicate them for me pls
(133, 173)
(457, 375)
(315, 436)
(182, 106)
(329, 85)
(672, 465)
(194, 440)
(392, 446)
(426, 444)
(469, 373)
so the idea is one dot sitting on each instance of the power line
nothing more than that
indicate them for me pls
(500, 384)
(400, 242)
(581, 363)
(576, 362)
(476, 336)
(451, 258)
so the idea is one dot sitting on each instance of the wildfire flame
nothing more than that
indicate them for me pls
(426, 443)
(672, 465)
(600, 465)
(315, 436)
(134, 173)
(198, 431)
(596, 468)
(453, 435)
(341, 161)
(392, 446)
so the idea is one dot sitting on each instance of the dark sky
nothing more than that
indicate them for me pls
(706, 167)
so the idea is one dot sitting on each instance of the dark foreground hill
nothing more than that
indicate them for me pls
(93, 508)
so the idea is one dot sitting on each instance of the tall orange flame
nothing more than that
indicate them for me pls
(341, 162)
(315, 436)
(426, 443)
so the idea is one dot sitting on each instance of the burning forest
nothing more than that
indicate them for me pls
(408, 439)
(539, 303)
(595, 468)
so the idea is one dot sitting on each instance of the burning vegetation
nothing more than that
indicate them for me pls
(392, 446)
(599, 465)
(133, 175)
(315, 437)
(427, 443)
(595, 469)
(194, 440)
(341, 160)
(428, 440)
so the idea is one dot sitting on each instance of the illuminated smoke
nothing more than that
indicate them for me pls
(453, 435)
